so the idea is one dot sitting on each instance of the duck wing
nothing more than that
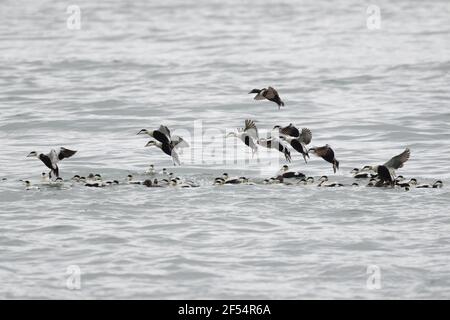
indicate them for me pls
(65, 153)
(175, 158)
(161, 136)
(164, 130)
(271, 93)
(398, 161)
(250, 129)
(306, 136)
(179, 142)
(290, 130)
(45, 158)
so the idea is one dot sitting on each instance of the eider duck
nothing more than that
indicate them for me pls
(52, 158)
(131, 181)
(386, 172)
(239, 180)
(287, 176)
(359, 174)
(274, 143)
(163, 135)
(289, 130)
(188, 184)
(310, 180)
(248, 135)
(29, 186)
(112, 182)
(411, 183)
(300, 142)
(327, 154)
(167, 148)
(270, 94)
(94, 181)
(324, 179)
(59, 182)
(219, 181)
(437, 185)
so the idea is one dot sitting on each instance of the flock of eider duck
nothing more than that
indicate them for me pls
(280, 138)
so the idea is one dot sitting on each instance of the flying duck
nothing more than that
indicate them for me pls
(52, 158)
(386, 172)
(270, 94)
(167, 148)
(327, 154)
(248, 135)
(274, 143)
(163, 135)
(289, 130)
(299, 142)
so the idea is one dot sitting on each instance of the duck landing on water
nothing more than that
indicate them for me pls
(52, 158)
(327, 154)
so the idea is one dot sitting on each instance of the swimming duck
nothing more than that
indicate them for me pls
(29, 186)
(131, 181)
(437, 185)
(359, 174)
(287, 176)
(411, 183)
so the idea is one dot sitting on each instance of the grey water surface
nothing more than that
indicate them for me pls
(369, 93)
